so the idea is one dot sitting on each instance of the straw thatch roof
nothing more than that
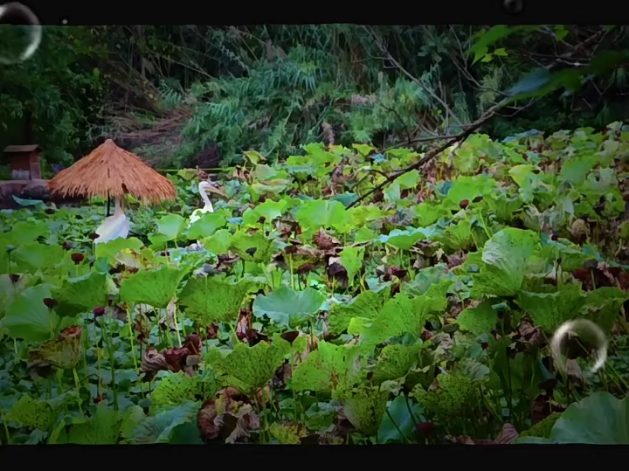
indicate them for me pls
(111, 171)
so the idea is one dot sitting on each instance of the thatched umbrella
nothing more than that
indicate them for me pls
(110, 171)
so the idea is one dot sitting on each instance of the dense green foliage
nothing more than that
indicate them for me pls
(395, 260)
(172, 92)
(421, 315)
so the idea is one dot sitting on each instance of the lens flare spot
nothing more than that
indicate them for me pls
(579, 338)
(20, 33)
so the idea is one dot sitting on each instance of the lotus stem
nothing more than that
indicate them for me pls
(78, 391)
(397, 427)
(6, 428)
(112, 366)
(167, 332)
(135, 360)
(177, 326)
(290, 264)
(86, 342)
(99, 386)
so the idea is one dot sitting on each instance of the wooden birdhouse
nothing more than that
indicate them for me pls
(24, 162)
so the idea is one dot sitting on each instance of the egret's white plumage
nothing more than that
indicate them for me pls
(114, 227)
(204, 187)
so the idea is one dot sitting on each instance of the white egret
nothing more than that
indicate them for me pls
(114, 227)
(204, 187)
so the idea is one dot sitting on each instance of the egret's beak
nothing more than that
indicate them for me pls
(216, 191)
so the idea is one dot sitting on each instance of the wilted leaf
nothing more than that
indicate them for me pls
(63, 352)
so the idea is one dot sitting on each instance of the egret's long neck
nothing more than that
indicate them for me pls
(118, 207)
(206, 198)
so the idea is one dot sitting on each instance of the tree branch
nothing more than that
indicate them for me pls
(459, 138)
(432, 154)
(426, 89)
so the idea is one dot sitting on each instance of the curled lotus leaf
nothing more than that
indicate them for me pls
(63, 352)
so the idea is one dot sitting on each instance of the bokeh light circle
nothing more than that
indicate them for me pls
(20, 33)
(579, 336)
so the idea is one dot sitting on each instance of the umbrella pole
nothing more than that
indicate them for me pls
(108, 204)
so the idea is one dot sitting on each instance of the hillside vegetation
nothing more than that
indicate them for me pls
(188, 95)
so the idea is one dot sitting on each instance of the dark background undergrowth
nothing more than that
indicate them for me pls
(186, 95)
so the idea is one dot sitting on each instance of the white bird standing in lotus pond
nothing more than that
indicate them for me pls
(114, 227)
(204, 187)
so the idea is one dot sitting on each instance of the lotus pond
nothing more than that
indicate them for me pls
(423, 314)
